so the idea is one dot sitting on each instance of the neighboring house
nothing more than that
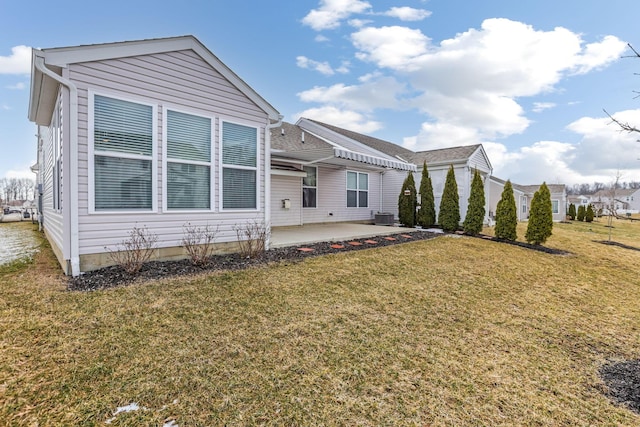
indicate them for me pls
(465, 161)
(320, 175)
(156, 133)
(523, 195)
(578, 201)
(386, 165)
(619, 200)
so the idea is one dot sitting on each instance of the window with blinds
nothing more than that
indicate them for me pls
(357, 189)
(123, 154)
(188, 177)
(239, 166)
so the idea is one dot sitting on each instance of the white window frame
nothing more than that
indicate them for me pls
(557, 209)
(165, 160)
(357, 190)
(309, 186)
(222, 166)
(91, 153)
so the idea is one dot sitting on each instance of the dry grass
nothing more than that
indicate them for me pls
(450, 331)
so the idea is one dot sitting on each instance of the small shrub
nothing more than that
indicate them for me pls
(252, 238)
(572, 211)
(449, 215)
(475, 211)
(407, 202)
(133, 252)
(540, 223)
(581, 213)
(198, 242)
(589, 214)
(426, 215)
(506, 214)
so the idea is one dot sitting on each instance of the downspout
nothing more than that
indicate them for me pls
(267, 177)
(71, 199)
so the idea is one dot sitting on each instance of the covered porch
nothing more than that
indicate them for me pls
(329, 232)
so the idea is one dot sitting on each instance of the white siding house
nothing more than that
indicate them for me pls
(152, 133)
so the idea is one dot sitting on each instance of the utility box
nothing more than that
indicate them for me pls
(384, 218)
(286, 203)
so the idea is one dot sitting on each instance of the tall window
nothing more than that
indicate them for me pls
(239, 166)
(123, 154)
(555, 206)
(357, 189)
(188, 142)
(310, 187)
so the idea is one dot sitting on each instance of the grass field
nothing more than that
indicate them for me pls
(448, 331)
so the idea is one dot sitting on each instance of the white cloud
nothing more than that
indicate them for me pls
(539, 107)
(474, 79)
(332, 12)
(22, 173)
(5, 107)
(374, 92)
(321, 38)
(343, 118)
(321, 67)
(392, 47)
(19, 62)
(359, 23)
(408, 13)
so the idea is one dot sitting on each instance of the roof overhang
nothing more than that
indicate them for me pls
(342, 157)
(342, 153)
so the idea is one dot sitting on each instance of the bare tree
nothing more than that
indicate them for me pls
(626, 126)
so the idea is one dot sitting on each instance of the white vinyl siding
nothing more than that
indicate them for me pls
(188, 179)
(357, 189)
(239, 166)
(310, 187)
(123, 141)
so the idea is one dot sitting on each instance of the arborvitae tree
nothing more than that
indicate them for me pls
(506, 214)
(572, 211)
(540, 217)
(589, 214)
(449, 216)
(427, 212)
(407, 202)
(475, 210)
(581, 212)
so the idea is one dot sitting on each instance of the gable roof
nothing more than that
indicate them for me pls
(44, 88)
(445, 155)
(293, 142)
(380, 145)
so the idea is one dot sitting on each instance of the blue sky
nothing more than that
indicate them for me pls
(528, 79)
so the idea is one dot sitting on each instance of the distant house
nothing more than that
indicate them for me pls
(155, 132)
(618, 200)
(523, 195)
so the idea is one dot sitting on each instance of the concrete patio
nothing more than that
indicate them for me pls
(312, 233)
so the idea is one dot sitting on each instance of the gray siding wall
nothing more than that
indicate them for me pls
(332, 198)
(179, 80)
(438, 176)
(286, 187)
(52, 218)
(392, 181)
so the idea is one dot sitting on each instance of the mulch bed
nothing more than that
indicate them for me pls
(113, 276)
(621, 245)
(623, 382)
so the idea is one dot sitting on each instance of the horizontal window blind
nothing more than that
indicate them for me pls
(188, 186)
(188, 137)
(122, 183)
(239, 188)
(122, 126)
(239, 145)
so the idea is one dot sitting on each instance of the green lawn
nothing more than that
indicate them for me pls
(448, 331)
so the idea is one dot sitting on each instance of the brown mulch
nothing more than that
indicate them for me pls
(113, 276)
(621, 245)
